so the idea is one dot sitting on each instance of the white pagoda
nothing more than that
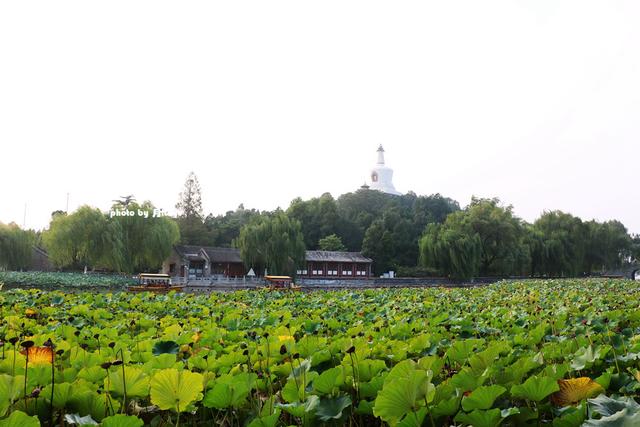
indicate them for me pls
(381, 176)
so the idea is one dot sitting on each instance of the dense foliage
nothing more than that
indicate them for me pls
(411, 233)
(91, 238)
(56, 280)
(15, 247)
(273, 242)
(487, 239)
(555, 353)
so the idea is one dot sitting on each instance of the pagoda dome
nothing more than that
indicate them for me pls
(382, 176)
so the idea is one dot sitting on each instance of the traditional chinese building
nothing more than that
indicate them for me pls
(193, 262)
(203, 261)
(335, 265)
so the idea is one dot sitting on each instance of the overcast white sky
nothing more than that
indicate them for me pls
(535, 102)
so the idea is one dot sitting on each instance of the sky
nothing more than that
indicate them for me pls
(534, 102)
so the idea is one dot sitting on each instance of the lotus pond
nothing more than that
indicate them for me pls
(559, 353)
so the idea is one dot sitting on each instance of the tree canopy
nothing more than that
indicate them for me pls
(15, 247)
(273, 242)
(91, 238)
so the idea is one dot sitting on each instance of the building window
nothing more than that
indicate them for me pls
(172, 268)
(301, 272)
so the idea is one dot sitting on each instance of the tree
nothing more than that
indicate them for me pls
(83, 238)
(15, 247)
(561, 244)
(190, 203)
(190, 217)
(272, 241)
(486, 238)
(318, 217)
(223, 229)
(501, 234)
(378, 245)
(147, 240)
(607, 245)
(450, 249)
(331, 243)
(87, 237)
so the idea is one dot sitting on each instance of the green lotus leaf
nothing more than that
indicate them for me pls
(135, 382)
(535, 388)
(230, 391)
(328, 381)
(163, 361)
(320, 356)
(121, 420)
(571, 417)
(414, 419)
(372, 388)
(93, 404)
(479, 418)
(431, 363)
(40, 374)
(165, 347)
(298, 409)
(482, 397)
(447, 407)
(266, 421)
(94, 374)
(466, 380)
(364, 408)
(331, 409)
(460, 350)
(403, 394)
(300, 369)
(10, 389)
(63, 393)
(404, 369)
(586, 357)
(175, 390)
(293, 391)
(20, 419)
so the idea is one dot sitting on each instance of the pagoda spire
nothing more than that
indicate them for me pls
(380, 155)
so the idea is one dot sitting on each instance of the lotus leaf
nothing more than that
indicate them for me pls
(20, 419)
(175, 390)
(535, 388)
(482, 397)
(121, 420)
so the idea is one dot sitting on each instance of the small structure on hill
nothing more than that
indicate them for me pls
(382, 176)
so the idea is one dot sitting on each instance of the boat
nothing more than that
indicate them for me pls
(284, 283)
(157, 283)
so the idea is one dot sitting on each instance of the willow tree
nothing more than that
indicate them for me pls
(450, 249)
(81, 239)
(273, 242)
(15, 247)
(147, 239)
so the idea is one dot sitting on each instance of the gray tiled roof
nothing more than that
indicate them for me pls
(336, 256)
(222, 254)
(211, 253)
(233, 255)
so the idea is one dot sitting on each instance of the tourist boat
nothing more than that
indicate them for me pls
(158, 283)
(284, 283)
